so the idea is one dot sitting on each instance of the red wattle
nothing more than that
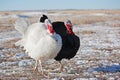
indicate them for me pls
(69, 29)
(51, 29)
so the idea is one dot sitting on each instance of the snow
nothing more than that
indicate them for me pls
(8, 16)
(32, 13)
(8, 64)
(23, 16)
(112, 68)
(2, 55)
(26, 63)
(97, 57)
(19, 55)
(9, 35)
(99, 14)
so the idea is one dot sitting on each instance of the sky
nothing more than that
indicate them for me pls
(6, 5)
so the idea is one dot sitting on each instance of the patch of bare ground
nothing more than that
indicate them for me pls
(86, 11)
(9, 44)
(83, 16)
(87, 32)
(87, 17)
(7, 25)
(90, 20)
(10, 12)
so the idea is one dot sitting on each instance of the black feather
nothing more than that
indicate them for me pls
(71, 42)
(42, 19)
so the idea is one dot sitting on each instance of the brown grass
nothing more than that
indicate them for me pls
(9, 44)
(88, 11)
(68, 11)
(88, 32)
(81, 20)
(86, 19)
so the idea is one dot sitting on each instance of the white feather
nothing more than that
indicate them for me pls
(21, 25)
(38, 42)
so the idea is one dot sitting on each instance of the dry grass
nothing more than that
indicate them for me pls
(10, 12)
(9, 44)
(68, 11)
(77, 12)
(88, 19)
(80, 20)
(86, 16)
(87, 32)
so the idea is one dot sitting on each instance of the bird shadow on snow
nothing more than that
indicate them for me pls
(111, 69)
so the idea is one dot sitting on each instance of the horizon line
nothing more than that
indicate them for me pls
(55, 9)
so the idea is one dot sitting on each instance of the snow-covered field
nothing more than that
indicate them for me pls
(97, 59)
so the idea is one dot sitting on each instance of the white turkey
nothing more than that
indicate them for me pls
(39, 40)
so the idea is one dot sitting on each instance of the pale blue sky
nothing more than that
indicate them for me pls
(58, 4)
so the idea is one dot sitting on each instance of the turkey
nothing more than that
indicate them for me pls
(70, 41)
(39, 40)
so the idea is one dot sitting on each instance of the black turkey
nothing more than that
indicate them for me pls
(70, 42)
